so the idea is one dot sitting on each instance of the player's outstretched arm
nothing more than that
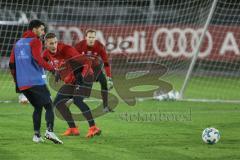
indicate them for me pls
(36, 47)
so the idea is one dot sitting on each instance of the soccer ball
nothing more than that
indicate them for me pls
(210, 135)
(173, 95)
(22, 99)
(170, 96)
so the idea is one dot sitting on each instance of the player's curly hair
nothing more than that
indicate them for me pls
(35, 24)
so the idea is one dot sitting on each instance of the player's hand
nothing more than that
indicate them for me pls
(109, 83)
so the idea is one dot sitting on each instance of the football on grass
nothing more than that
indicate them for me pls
(210, 135)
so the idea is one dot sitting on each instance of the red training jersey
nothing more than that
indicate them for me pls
(62, 61)
(97, 49)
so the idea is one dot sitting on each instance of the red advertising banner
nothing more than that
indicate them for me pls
(220, 43)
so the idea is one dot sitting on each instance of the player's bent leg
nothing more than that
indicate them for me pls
(93, 130)
(67, 116)
(78, 101)
(71, 131)
(63, 96)
(81, 92)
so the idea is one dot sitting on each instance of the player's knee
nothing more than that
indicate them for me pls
(59, 99)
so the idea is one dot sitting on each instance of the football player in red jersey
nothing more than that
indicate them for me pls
(27, 66)
(75, 70)
(94, 48)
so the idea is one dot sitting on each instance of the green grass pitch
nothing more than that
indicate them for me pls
(175, 132)
(125, 139)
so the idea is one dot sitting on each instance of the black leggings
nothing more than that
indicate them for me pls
(64, 94)
(49, 117)
(39, 97)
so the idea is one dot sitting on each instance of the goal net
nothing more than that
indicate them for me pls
(145, 39)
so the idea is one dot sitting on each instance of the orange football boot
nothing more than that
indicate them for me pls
(93, 131)
(71, 132)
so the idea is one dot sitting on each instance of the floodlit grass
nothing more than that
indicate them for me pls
(129, 133)
(148, 130)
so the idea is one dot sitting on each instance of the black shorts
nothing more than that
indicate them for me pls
(68, 91)
(38, 95)
(81, 89)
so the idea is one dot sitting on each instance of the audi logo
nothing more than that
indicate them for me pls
(179, 42)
